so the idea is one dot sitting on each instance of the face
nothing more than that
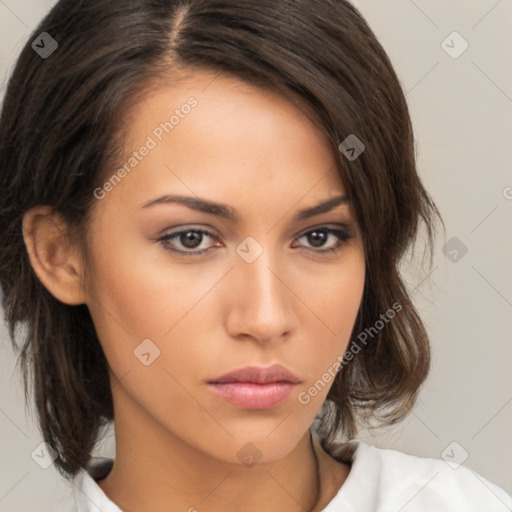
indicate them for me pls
(181, 296)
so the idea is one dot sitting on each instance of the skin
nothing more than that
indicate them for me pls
(176, 441)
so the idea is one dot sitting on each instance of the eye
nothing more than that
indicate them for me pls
(189, 239)
(318, 236)
(190, 242)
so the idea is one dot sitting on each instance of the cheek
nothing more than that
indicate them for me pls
(335, 293)
(135, 300)
(152, 328)
(334, 299)
(138, 287)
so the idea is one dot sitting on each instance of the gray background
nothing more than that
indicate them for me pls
(461, 110)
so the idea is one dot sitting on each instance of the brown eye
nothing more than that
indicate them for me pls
(188, 239)
(318, 237)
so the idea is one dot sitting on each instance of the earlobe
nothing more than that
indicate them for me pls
(53, 259)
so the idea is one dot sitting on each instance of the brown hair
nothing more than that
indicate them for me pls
(61, 132)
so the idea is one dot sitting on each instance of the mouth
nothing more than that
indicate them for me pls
(255, 387)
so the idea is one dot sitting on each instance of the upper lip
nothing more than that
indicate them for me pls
(258, 375)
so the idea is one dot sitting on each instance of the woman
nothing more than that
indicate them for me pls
(206, 205)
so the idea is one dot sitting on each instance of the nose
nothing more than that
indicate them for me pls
(262, 304)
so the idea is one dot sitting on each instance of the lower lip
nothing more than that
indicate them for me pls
(249, 395)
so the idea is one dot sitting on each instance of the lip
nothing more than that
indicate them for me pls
(255, 387)
(249, 395)
(258, 375)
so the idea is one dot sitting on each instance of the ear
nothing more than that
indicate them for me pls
(54, 260)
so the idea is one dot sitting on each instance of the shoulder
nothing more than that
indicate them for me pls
(394, 480)
(67, 503)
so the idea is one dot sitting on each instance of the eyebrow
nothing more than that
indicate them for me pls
(229, 213)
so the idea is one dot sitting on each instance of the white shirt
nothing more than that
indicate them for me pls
(380, 480)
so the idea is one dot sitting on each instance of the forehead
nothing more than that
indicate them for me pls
(221, 98)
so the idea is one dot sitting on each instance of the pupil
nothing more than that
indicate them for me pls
(189, 238)
(318, 238)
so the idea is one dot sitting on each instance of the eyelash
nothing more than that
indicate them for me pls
(342, 236)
